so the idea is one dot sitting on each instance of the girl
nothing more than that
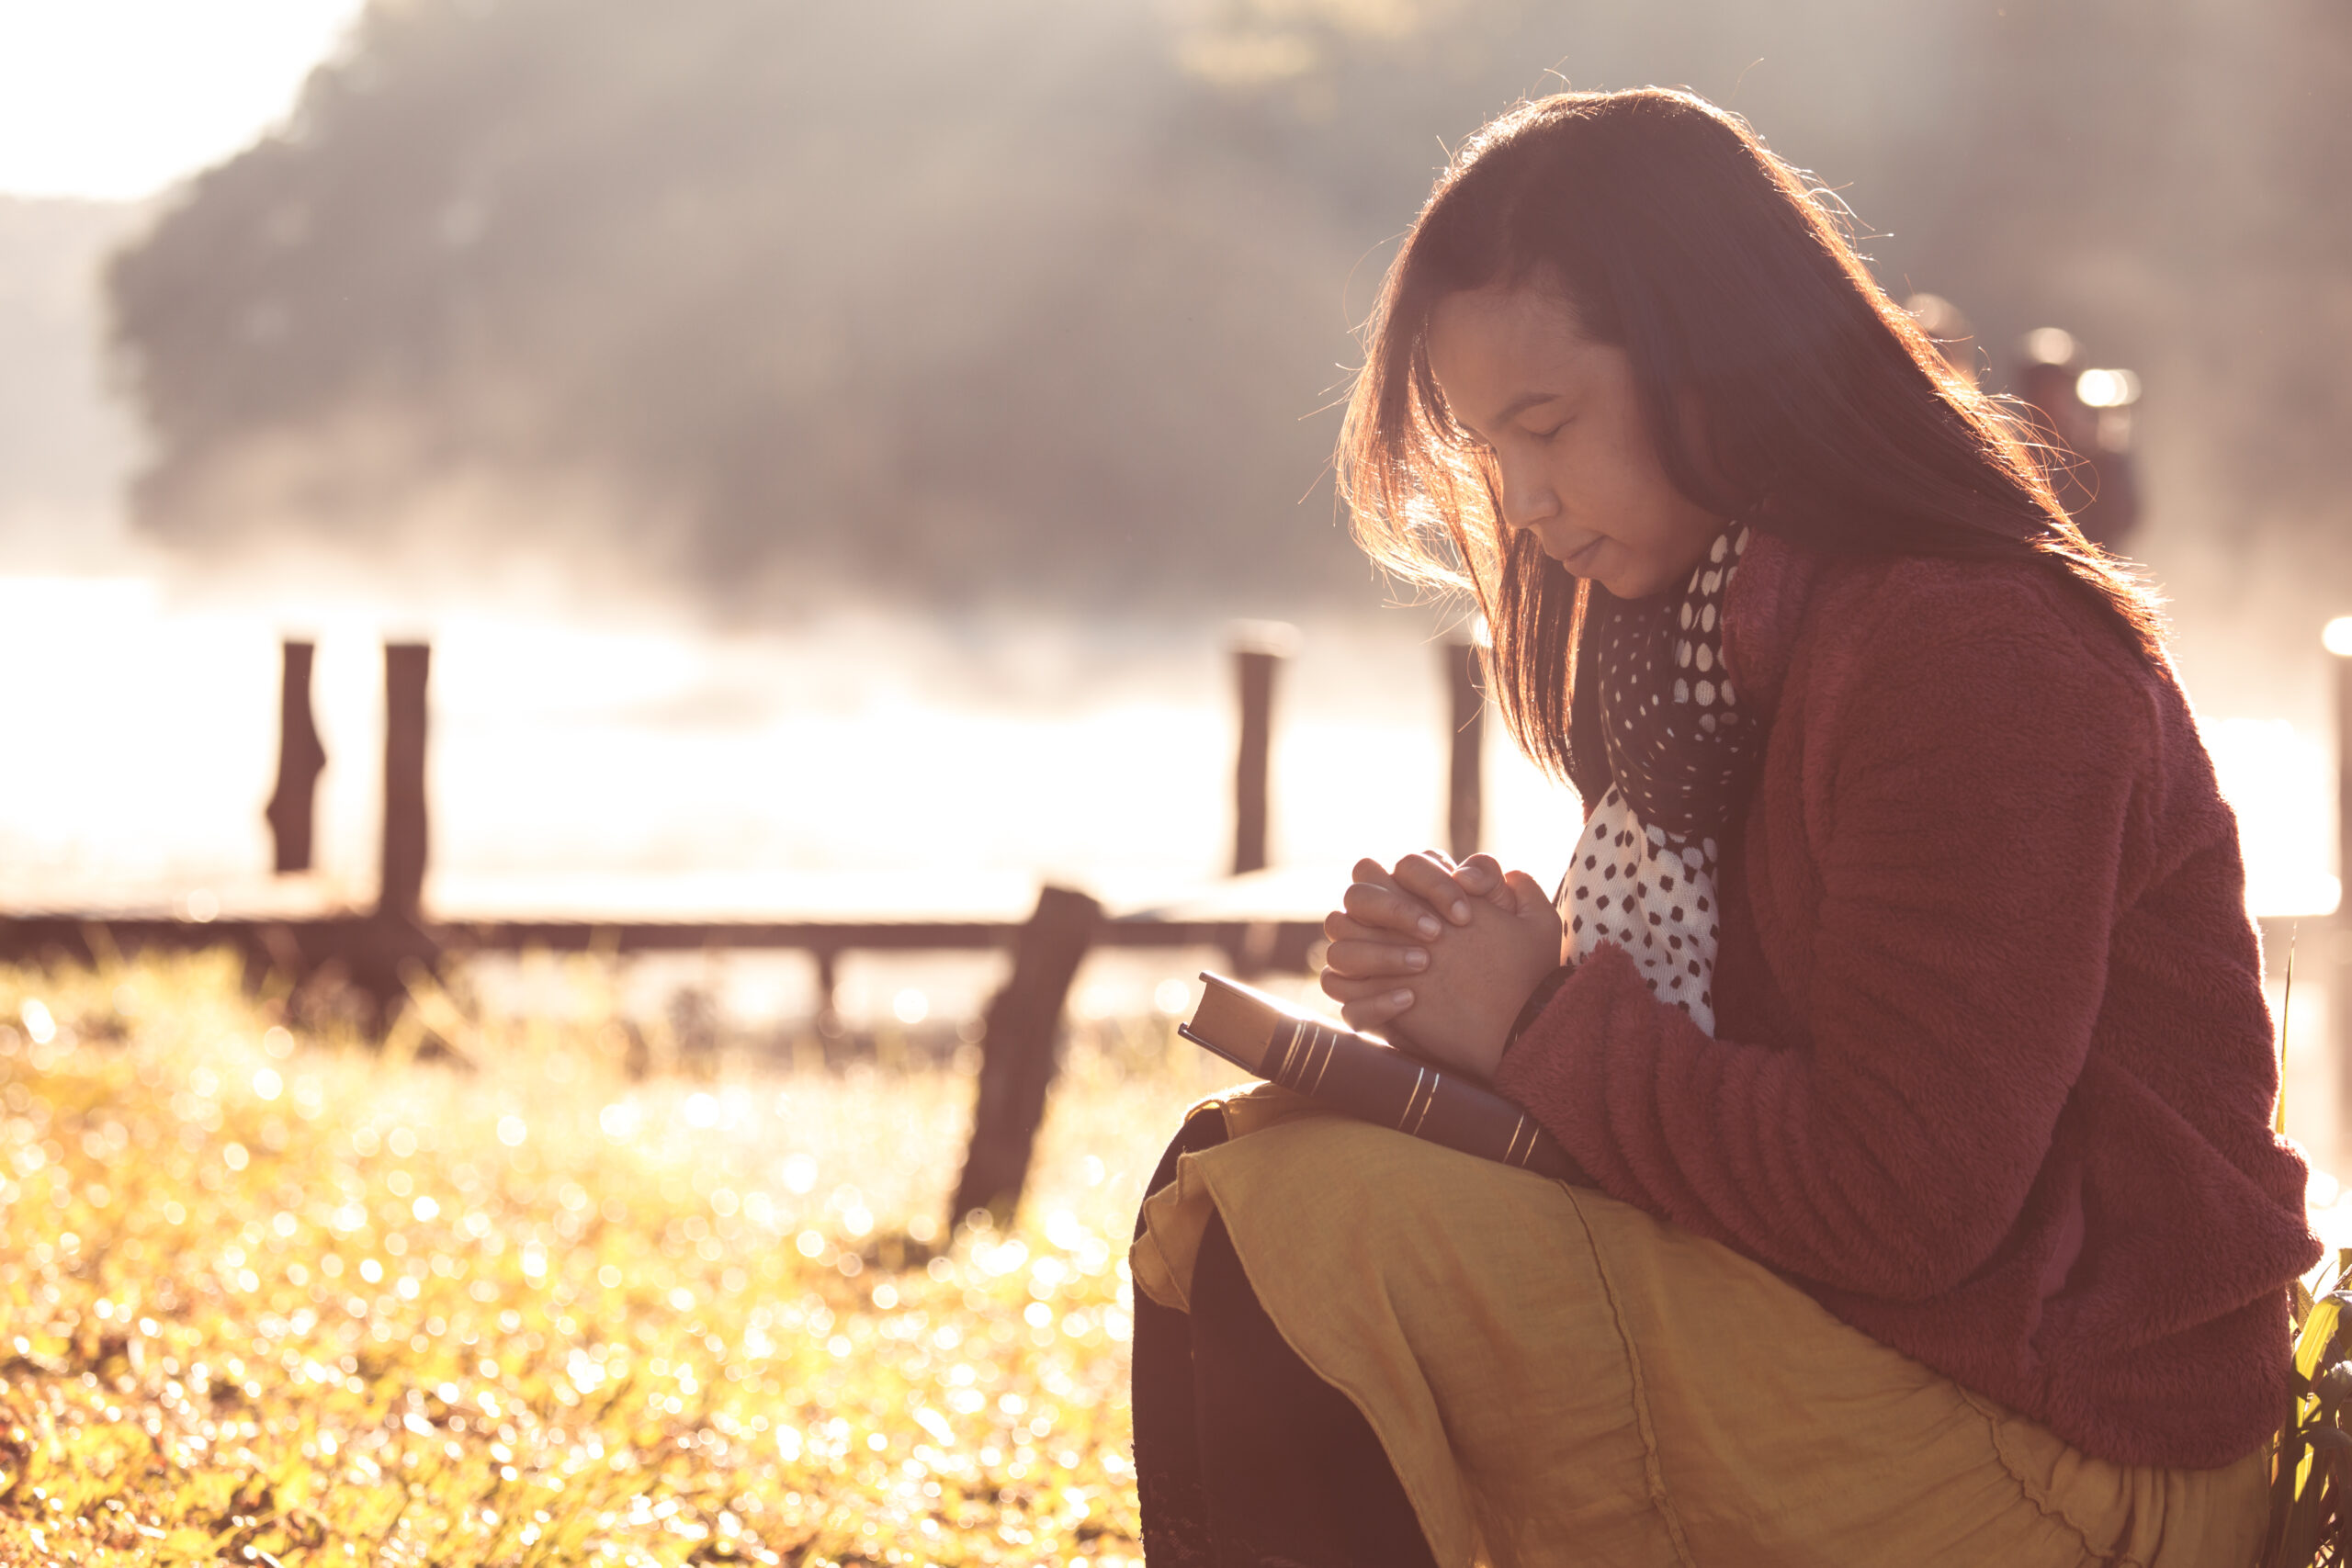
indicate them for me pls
(1900, 1002)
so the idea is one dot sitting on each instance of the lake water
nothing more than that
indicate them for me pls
(873, 765)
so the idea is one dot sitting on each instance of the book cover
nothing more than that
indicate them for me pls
(1368, 1078)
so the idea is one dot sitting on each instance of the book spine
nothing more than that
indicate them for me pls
(1383, 1086)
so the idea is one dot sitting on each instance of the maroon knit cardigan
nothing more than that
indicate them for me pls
(1993, 1077)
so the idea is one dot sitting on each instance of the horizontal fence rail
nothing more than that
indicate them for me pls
(1254, 944)
(382, 953)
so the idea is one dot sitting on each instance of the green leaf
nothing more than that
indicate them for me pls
(2318, 1328)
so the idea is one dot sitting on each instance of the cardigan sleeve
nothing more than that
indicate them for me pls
(1966, 799)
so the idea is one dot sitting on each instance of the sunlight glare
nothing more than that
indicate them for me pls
(2107, 388)
(2275, 779)
(114, 99)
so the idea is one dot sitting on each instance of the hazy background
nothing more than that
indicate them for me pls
(826, 443)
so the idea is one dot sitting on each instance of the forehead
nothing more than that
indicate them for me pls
(1488, 346)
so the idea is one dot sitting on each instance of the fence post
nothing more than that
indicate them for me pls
(1465, 788)
(1017, 1054)
(1258, 649)
(401, 891)
(828, 1015)
(292, 810)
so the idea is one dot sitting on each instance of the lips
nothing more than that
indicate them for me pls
(1582, 557)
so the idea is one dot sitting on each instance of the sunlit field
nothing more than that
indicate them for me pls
(275, 1297)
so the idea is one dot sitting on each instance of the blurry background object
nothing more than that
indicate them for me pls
(2336, 639)
(2080, 421)
(768, 304)
(407, 839)
(1466, 794)
(292, 811)
(1259, 650)
(778, 302)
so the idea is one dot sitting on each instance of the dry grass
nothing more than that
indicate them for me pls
(272, 1299)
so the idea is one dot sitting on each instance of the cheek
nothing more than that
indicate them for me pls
(1636, 478)
(1647, 518)
(1637, 458)
(1610, 477)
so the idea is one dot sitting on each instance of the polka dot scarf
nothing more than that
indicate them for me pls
(1679, 746)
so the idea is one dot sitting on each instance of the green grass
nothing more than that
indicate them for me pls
(281, 1298)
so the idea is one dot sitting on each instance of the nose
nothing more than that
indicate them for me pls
(1524, 495)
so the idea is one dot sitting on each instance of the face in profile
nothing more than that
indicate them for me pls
(1562, 418)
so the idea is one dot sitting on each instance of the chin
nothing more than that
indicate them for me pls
(1631, 585)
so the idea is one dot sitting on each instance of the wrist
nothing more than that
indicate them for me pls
(1538, 999)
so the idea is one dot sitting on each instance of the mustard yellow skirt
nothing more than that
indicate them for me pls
(1560, 1379)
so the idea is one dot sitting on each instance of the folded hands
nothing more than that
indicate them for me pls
(1440, 957)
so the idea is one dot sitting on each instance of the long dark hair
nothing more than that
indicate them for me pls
(1674, 235)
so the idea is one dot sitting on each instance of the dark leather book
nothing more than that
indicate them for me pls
(1368, 1078)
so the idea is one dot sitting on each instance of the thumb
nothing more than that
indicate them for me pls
(1527, 891)
(1482, 876)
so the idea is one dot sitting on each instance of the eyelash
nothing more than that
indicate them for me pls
(1488, 448)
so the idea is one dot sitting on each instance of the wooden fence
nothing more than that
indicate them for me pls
(382, 953)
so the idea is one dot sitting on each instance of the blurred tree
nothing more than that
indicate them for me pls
(780, 296)
(1041, 297)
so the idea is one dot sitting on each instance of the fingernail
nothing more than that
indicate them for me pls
(1417, 958)
(1461, 911)
(1428, 926)
(1400, 998)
